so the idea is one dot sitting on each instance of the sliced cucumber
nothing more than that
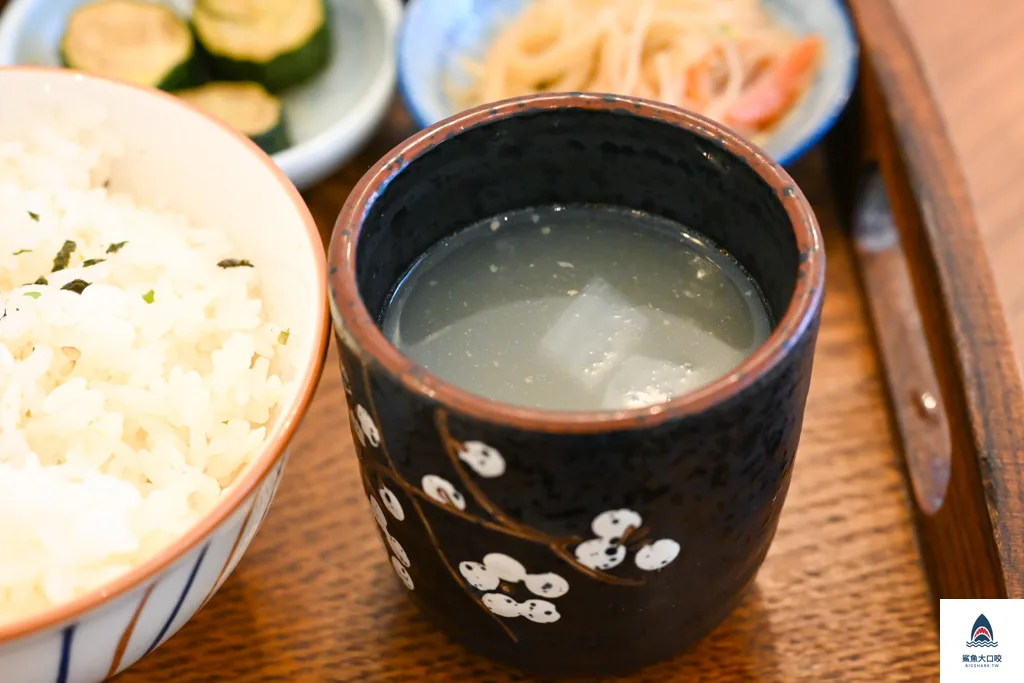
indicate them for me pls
(246, 107)
(131, 40)
(247, 11)
(278, 43)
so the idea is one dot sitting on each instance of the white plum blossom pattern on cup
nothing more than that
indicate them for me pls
(617, 532)
(546, 585)
(497, 569)
(501, 604)
(354, 421)
(387, 496)
(657, 555)
(539, 611)
(485, 460)
(442, 491)
(366, 430)
(345, 383)
(608, 550)
(378, 514)
(403, 573)
(399, 558)
(499, 585)
(398, 550)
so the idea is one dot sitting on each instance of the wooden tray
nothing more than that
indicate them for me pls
(844, 594)
(954, 383)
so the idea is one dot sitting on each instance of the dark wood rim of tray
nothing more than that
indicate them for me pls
(955, 385)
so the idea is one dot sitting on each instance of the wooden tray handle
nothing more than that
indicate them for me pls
(971, 532)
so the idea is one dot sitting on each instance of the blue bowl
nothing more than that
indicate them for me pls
(436, 34)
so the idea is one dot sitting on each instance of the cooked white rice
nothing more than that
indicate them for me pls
(126, 410)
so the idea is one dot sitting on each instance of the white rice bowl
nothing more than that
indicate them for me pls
(127, 410)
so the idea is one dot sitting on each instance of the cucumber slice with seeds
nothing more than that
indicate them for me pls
(278, 43)
(131, 40)
(246, 107)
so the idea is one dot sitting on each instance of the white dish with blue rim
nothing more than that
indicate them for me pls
(329, 119)
(436, 34)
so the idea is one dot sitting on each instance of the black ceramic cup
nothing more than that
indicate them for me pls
(576, 543)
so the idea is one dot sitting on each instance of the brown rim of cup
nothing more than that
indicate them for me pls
(258, 469)
(361, 329)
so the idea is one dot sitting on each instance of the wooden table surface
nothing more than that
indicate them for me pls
(841, 596)
(972, 54)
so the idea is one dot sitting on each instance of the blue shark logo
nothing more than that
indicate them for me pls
(982, 634)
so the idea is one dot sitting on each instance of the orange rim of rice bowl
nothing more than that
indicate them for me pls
(286, 424)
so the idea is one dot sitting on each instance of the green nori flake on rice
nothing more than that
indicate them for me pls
(92, 262)
(22, 251)
(149, 296)
(34, 295)
(63, 257)
(282, 336)
(235, 263)
(41, 281)
(76, 286)
(115, 247)
(34, 216)
(224, 422)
